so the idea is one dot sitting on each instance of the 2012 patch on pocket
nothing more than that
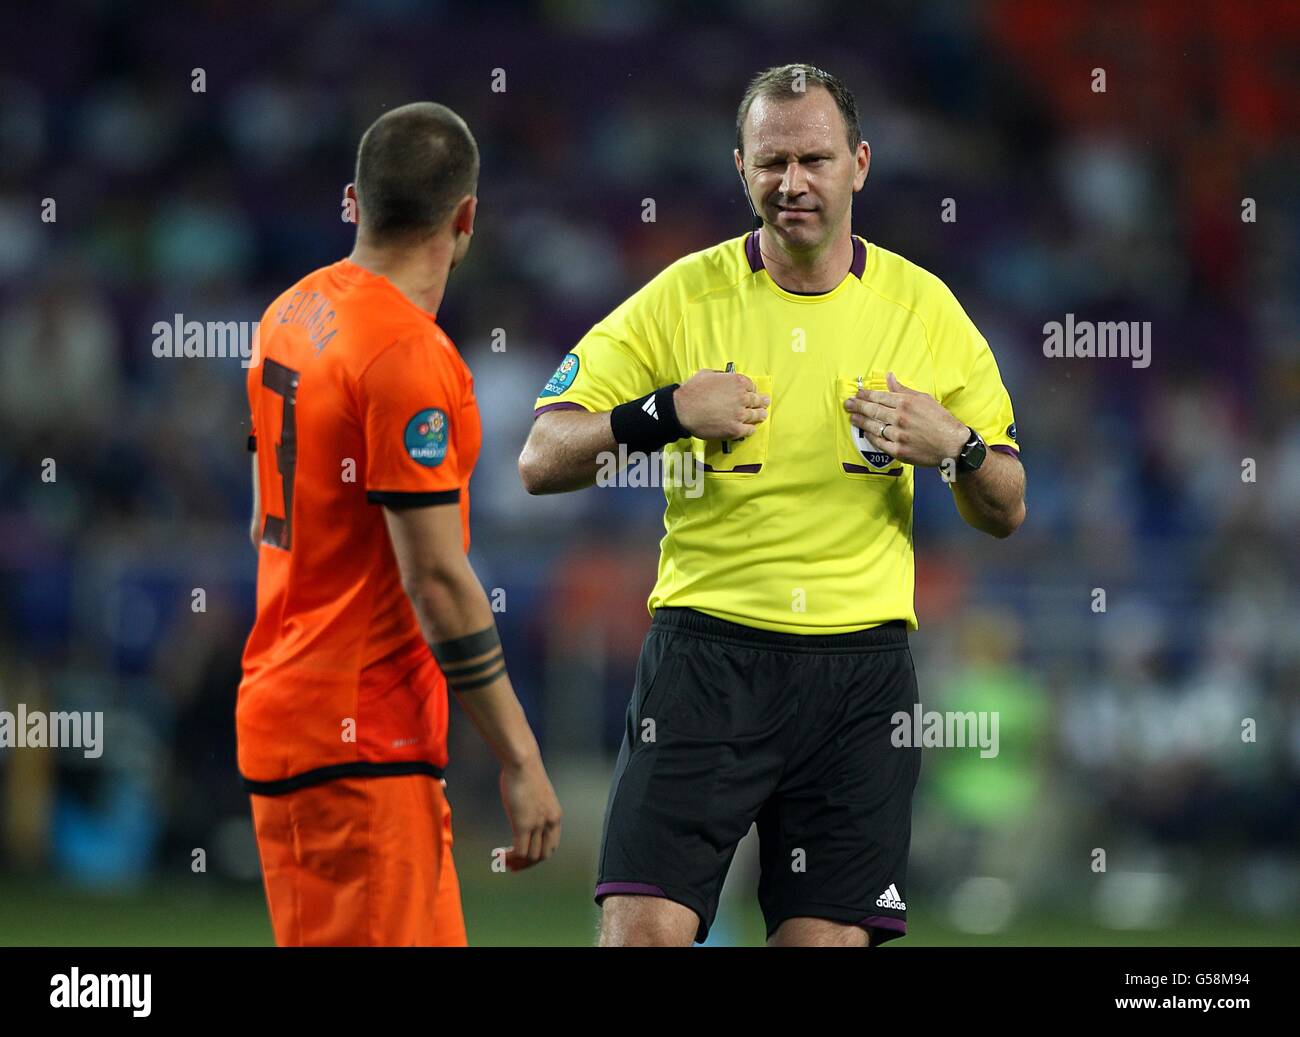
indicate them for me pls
(858, 457)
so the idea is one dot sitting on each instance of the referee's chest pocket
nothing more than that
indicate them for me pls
(745, 457)
(856, 458)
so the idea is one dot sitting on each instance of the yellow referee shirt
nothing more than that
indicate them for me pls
(803, 527)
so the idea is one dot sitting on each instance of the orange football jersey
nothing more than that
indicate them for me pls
(358, 400)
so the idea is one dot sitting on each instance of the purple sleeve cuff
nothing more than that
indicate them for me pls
(1014, 451)
(557, 406)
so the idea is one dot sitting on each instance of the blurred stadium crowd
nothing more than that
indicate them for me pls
(1120, 729)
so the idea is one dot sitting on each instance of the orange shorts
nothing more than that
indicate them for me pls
(360, 862)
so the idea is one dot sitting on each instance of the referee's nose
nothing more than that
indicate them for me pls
(794, 183)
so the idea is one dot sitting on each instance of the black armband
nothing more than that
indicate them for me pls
(648, 423)
(472, 661)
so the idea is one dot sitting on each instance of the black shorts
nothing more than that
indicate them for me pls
(731, 725)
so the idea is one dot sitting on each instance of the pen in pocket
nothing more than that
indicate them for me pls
(726, 443)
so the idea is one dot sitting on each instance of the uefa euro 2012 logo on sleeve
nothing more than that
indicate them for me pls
(563, 377)
(426, 437)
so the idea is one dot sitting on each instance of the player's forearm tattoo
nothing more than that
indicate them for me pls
(472, 661)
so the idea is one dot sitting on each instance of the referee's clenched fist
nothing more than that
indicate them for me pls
(720, 405)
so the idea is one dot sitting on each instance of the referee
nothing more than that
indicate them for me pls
(806, 374)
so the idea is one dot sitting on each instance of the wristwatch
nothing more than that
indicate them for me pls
(972, 454)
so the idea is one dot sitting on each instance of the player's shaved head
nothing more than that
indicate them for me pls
(789, 82)
(413, 165)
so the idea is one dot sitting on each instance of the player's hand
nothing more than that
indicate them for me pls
(534, 813)
(917, 428)
(719, 405)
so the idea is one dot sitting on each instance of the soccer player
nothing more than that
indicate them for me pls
(779, 650)
(366, 432)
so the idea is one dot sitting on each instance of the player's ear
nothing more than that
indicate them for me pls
(863, 162)
(351, 213)
(740, 162)
(462, 221)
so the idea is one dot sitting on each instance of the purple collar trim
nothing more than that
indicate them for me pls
(755, 256)
(859, 265)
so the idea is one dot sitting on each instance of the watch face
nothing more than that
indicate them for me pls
(972, 456)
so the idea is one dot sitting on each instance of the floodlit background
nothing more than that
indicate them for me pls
(1120, 730)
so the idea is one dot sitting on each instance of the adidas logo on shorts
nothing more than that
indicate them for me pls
(890, 898)
(650, 408)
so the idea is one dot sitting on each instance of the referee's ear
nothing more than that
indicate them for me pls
(863, 159)
(744, 184)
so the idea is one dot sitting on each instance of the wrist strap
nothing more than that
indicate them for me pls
(963, 455)
(649, 423)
